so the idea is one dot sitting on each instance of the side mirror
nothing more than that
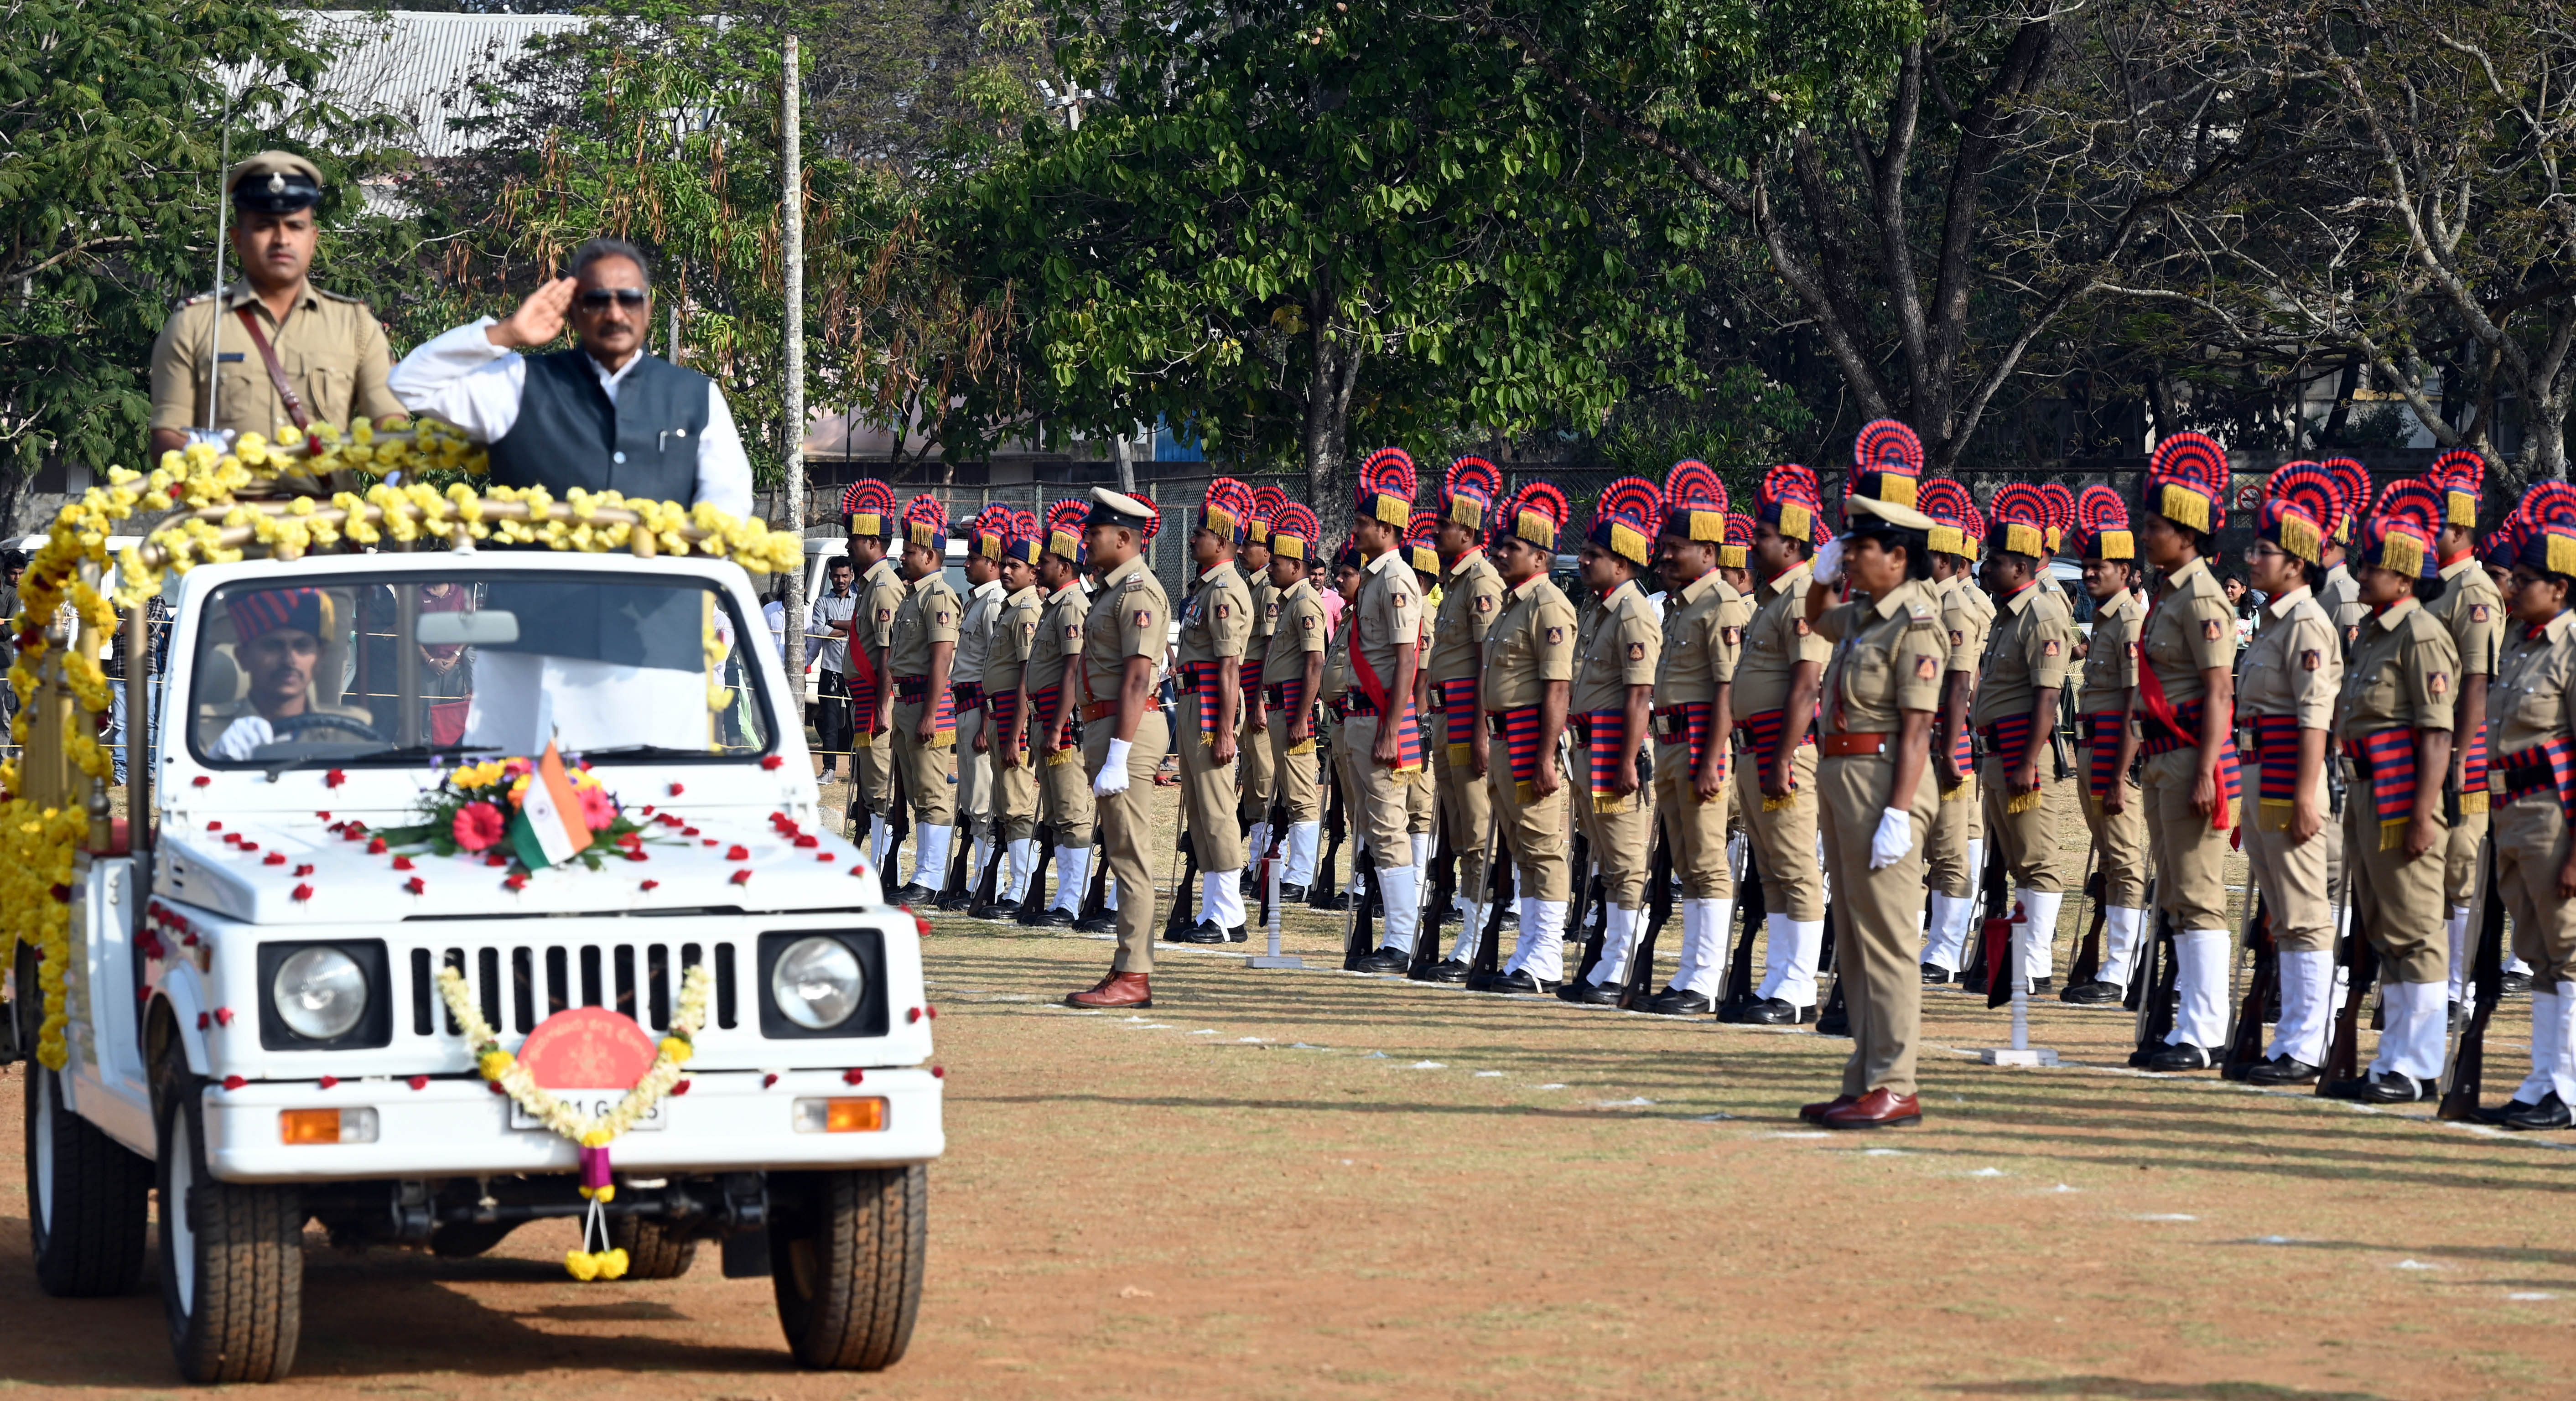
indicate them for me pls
(490, 627)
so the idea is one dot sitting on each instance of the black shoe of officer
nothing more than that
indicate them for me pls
(1292, 894)
(1934, 974)
(1235, 934)
(1833, 1021)
(1680, 1002)
(1105, 922)
(1773, 1011)
(2041, 985)
(1518, 982)
(1592, 994)
(2092, 993)
(1448, 970)
(1511, 922)
(1203, 932)
(2550, 1114)
(1388, 959)
(1331, 900)
(993, 913)
(1251, 881)
(2390, 1088)
(912, 893)
(2182, 1056)
(2282, 1070)
(1055, 917)
(2515, 984)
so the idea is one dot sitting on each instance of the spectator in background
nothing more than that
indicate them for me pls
(827, 636)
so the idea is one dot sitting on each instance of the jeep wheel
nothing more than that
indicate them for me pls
(232, 1257)
(652, 1251)
(89, 1201)
(845, 1252)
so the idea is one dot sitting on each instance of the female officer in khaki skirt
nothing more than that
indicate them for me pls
(2395, 719)
(2534, 770)
(1873, 784)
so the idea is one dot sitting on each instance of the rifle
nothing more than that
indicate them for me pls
(1659, 909)
(1178, 922)
(2087, 967)
(1436, 893)
(952, 886)
(1832, 1019)
(1264, 859)
(1749, 906)
(2151, 993)
(899, 821)
(1095, 901)
(1498, 889)
(2245, 1044)
(988, 885)
(1326, 892)
(2360, 962)
(1033, 901)
(1974, 975)
(2468, 1057)
(1585, 883)
(1361, 941)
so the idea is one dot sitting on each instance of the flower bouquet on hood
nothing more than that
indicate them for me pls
(539, 812)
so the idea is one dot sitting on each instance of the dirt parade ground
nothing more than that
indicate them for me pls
(1308, 1183)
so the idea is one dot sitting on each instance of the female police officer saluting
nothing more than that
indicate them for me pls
(1880, 688)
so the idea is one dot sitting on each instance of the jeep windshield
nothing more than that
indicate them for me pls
(390, 668)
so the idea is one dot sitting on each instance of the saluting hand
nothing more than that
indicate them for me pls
(538, 320)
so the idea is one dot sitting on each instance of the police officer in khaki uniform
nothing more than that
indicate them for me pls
(1776, 683)
(1471, 598)
(1006, 731)
(1952, 854)
(1528, 683)
(2473, 609)
(1292, 676)
(1216, 626)
(990, 532)
(1380, 729)
(1421, 793)
(1694, 681)
(2182, 707)
(881, 596)
(2114, 812)
(2292, 671)
(329, 349)
(1252, 742)
(2395, 718)
(921, 656)
(2340, 596)
(2534, 770)
(1347, 571)
(1123, 735)
(1051, 702)
(1613, 719)
(2019, 677)
(1874, 784)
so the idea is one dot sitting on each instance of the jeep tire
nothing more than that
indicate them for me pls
(89, 1201)
(846, 1252)
(652, 1251)
(232, 1256)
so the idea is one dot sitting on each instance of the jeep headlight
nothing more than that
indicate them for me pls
(320, 993)
(817, 983)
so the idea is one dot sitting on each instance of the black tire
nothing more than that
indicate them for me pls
(232, 1256)
(652, 1251)
(846, 1254)
(89, 1201)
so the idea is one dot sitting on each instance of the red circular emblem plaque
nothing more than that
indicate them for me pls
(587, 1048)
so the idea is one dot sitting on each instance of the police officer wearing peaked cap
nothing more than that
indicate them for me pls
(286, 351)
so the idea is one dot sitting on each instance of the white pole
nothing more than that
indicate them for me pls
(792, 212)
(223, 206)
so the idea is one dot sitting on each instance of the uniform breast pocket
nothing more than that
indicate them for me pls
(326, 392)
(2378, 695)
(2540, 707)
(1866, 676)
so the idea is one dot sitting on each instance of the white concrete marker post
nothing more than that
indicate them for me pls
(2021, 1052)
(1274, 958)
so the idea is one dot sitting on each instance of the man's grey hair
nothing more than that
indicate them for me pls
(602, 248)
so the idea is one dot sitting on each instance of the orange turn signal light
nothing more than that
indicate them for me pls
(309, 1126)
(854, 1115)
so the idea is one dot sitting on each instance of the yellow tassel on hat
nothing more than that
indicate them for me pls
(1707, 525)
(2119, 544)
(2019, 539)
(2402, 554)
(1795, 520)
(2299, 537)
(2183, 506)
(1949, 540)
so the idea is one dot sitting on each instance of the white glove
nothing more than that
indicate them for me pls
(1829, 562)
(1113, 770)
(1895, 837)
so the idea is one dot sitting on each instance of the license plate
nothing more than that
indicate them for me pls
(592, 1104)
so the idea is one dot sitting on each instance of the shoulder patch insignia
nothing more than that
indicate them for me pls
(1734, 637)
(1224, 610)
(1312, 621)
(2049, 648)
(1274, 608)
(2477, 612)
(1926, 667)
(940, 620)
(1144, 617)
(2211, 629)
(1636, 651)
(2439, 683)
(1484, 603)
(2310, 660)
(1555, 636)
(883, 614)
(1958, 638)
(1802, 627)
(2131, 648)
(1073, 632)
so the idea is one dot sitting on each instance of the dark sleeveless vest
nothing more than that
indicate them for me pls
(569, 434)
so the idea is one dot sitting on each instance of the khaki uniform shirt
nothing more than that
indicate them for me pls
(2111, 657)
(2192, 630)
(2473, 610)
(1058, 639)
(1132, 617)
(1963, 621)
(1337, 652)
(1777, 640)
(2341, 598)
(2025, 654)
(2404, 673)
(1886, 657)
(2527, 704)
(1530, 645)
(1390, 615)
(1471, 598)
(332, 349)
(1265, 614)
(1216, 624)
(2295, 666)
(1300, 634)
(928, 615)
(975, 634)
(872, 627)
(1700, 645)
(1625, 644)
(1015, 633)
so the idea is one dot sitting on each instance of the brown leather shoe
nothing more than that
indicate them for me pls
(1117, 992)
(1815, 1113)
(1876, 1110)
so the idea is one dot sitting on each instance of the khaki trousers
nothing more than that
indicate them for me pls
(2397, 902)
(1252, 750)
(1015, 794)
(1065, 791)
(2460, 859)
(2531, 847)
(1533, 833)
(1466, 805)
(928, 769)
(2190, 855)
(1784, 840)
(1694, 832)
(1208, 795)
(1126, 833)
(1622, 840)
(2292, 877)
(1421, 800)
(1295, 786)
(2121, 838)
(2027, 839)
(1377, 795)
(1945, 852)
(872, 763)
(1878, 947)
(974, 773)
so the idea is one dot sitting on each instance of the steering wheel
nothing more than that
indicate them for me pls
(297, 724)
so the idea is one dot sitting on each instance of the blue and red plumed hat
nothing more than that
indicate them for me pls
(1956, 524)
(991, 530)
(2461, 476)
(1265, 509)
(1787, 502)
(1293, 531)
(1025, 540)
(2399, 534)
(1737, 552)
(1064, 528)
(2061, 513)
(869, 505)
(2102, 518)
(2018, 519)
(1227, 511)
(925, 524)
(1694, 502)
(2187, 482)
(2543, 528)
(2352, 487)
(1386, 488)
(2302, 508)
(1468, 491)
(1887, 463)
(1422, 545)
(1625, 518)
(1537, 515)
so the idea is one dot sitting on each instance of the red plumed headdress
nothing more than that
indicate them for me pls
(1468, 492)
(1538, 515)
(2187, 482)
(1386, 488)
(2103, 519)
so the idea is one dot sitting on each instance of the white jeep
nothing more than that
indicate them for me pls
(253, 1022)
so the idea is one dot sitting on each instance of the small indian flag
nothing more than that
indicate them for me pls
(549, 827)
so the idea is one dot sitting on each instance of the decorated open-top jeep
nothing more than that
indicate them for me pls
(461, 882)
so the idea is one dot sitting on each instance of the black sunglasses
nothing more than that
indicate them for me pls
(598, 298)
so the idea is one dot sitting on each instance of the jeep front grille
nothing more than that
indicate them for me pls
(520, 985)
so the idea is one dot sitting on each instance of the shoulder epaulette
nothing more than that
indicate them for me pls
(337, 296)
